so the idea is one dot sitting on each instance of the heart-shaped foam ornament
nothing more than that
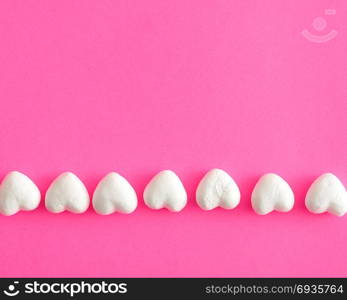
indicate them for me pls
(18, 192)
(67, 192)
(114, 194)
(165, 190)
(217, 188)
(327, 193)
(272, 193)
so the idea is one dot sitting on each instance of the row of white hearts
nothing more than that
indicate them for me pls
(165, 190)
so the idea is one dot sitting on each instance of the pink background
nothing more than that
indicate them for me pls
(140, 86)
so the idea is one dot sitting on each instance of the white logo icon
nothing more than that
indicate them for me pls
(12, 290)
(319, 24)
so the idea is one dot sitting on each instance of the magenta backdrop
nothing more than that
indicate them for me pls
(139, 86)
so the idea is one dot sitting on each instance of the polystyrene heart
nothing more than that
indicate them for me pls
(217, 188)
(67, 192)
(165, 190)
(327, 194)
(272, 193)
(114, 194)
(18, 192)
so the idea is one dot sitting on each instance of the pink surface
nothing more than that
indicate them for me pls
(140, 86)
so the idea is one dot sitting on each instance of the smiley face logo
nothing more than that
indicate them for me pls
(12, 290)
(319, 24)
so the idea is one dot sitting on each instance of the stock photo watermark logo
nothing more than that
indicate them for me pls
(319, 24)
(12, 290)
(66, 288)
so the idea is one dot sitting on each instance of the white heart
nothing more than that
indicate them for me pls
(67, 192)
(18, 192)
(217, 188)
(165, 190)
(114, 194)
(327, 193)
(272, 193)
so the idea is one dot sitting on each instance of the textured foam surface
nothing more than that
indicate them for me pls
(217, 188)
(67, 192)
(114, 194)
(18, 192)
(165, 190)
(327, 194)
(270, 193)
